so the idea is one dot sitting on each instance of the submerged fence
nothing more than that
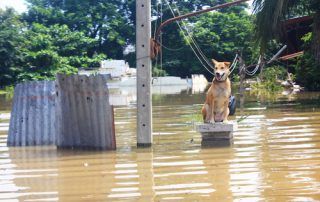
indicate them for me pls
(73, 112)
(85, 117)
(33, 120)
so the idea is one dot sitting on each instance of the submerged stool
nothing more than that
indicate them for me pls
(216, 134)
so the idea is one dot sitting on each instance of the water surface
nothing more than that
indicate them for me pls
(275, 156)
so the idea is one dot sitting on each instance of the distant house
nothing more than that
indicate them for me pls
(295, 29)
(111, 68)
(116, 68)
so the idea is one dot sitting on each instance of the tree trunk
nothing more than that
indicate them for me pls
(316, 36)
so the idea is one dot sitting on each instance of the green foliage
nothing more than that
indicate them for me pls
(11, 43)
(307, 69)
(57, 36)
(271, 78)
(109, 22)
(274, 73)
(8, 91)
(55, 49)
(307, 39)
(61, 36)
(219, 34)
(270, 15)
(196, 117)
(37, 51)
(223, 34)
(235, 78)
(307, 72)
(158, 72)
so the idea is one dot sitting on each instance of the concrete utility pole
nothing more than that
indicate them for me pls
(144, 66)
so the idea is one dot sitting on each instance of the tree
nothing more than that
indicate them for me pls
(55, 49)
(11, 42)
(219, 34)
(224, 34)
(106, 21)
(271, 13)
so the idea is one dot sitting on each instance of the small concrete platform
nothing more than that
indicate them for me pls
(216, 134)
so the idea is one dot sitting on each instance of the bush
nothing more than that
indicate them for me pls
(270, 80)
(307, 71)
(157, 72)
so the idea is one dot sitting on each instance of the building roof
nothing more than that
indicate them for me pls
(297, 20)
(295, 29)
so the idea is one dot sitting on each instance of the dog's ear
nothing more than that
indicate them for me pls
(227, 64)
(214, 61)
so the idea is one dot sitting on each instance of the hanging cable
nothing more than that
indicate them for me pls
(156, 21)
(161, 39)
(155, 29)
(187, 40)
(234, 64)
(184, 34)
(235, 61)
(171, 49)
(193, 40)
(254, 71)
(156, 25)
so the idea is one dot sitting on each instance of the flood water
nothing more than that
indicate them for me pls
(275, 156)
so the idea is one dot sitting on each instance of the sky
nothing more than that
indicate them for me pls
(20, 5)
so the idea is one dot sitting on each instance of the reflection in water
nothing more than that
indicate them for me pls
(275, 156)
(128, 94)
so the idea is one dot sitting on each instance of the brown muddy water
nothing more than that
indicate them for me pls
(275, 156)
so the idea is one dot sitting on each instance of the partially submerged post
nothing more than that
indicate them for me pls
(143, 50)
(242, 75)
(216, 134)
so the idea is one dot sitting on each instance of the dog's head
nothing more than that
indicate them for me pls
(221, 70)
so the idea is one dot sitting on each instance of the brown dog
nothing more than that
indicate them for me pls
(215, 108)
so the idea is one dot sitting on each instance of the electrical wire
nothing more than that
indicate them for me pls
(234, 64)
(187, 40)
(170, 49)
(254, 71)
(186, 33)
(193, 40)
(235, 61)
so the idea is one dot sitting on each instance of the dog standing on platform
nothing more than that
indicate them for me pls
(215, 108)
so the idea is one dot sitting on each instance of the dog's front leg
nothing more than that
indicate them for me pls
(225, 111)
(206, 113)
(212, 112)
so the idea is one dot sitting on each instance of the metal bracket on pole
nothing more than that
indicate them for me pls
(144, 66)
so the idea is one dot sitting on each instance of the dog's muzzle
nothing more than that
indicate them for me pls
(219, 76)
